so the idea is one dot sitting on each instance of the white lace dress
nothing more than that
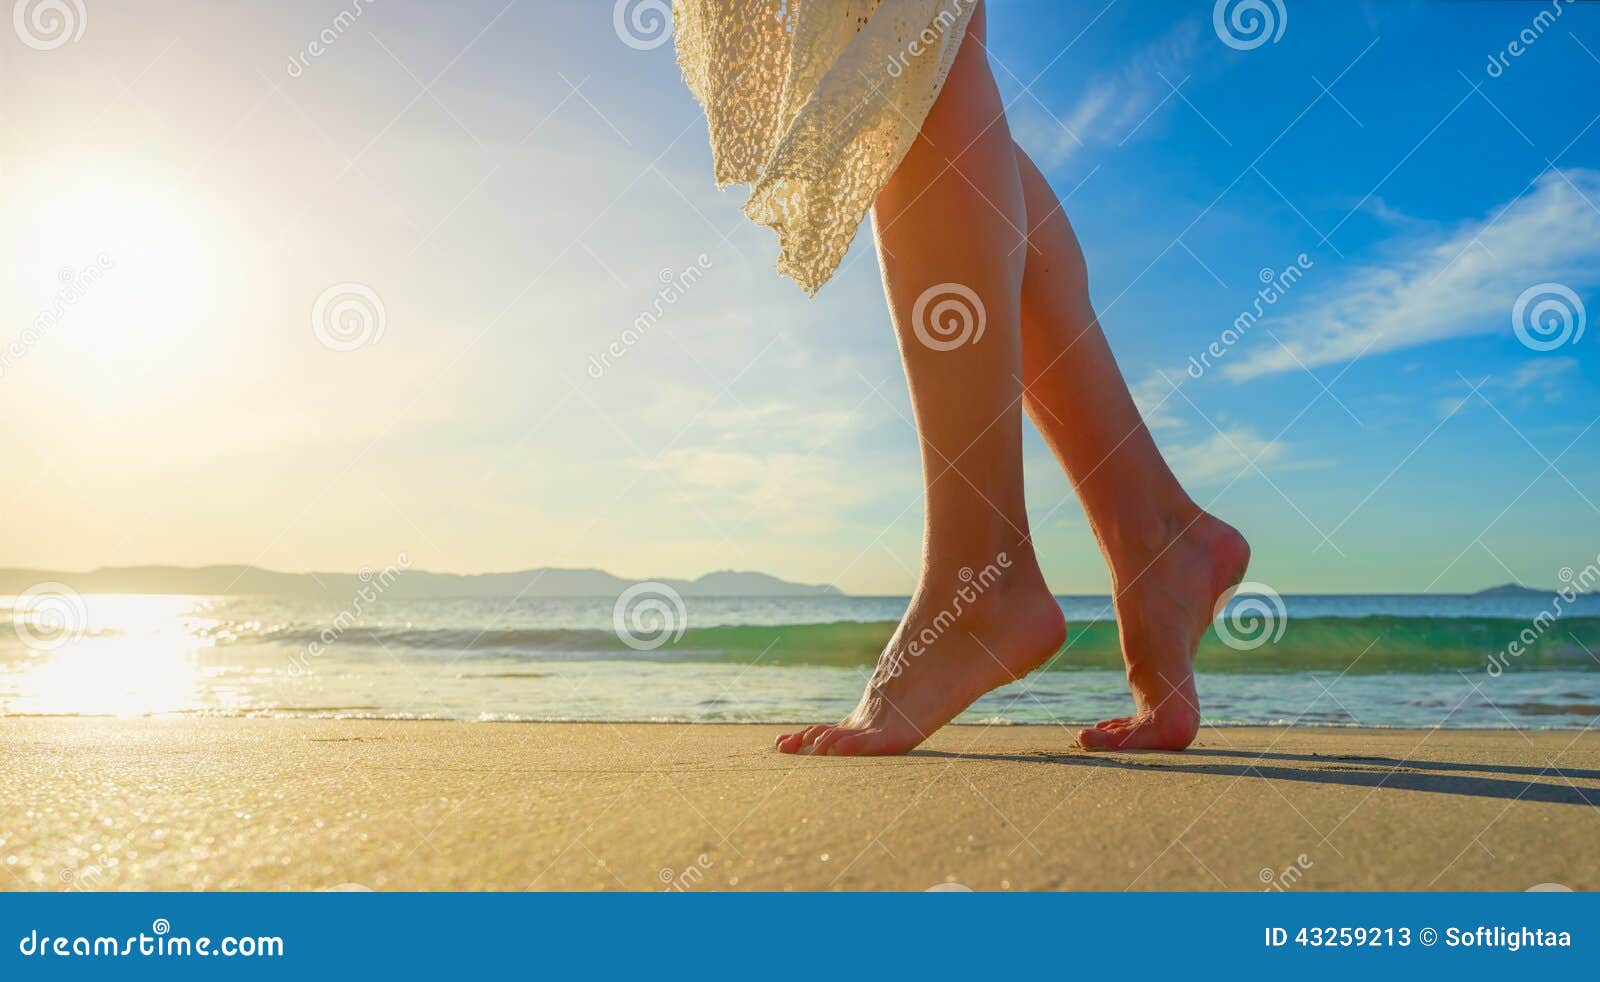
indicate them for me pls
(814, 103)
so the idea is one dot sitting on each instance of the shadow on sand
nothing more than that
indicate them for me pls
(1439, 777)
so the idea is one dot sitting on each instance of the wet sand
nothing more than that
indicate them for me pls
(238, 804)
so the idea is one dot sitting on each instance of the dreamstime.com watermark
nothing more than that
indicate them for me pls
(1249, 616)
(48, 616)
(1274, 285)
(45, 25)
(347, 316)
(1526, 38)
(1573, 585)
(929, 37)
(642, 24)
(674, 287)
(1244, 25)
(159, 943)
(76, 284)
(373, 586)
(688, 878)
(79, 879)
(976, 584)
(1282, 880)
(341, 24)
(1547, 316)
(648, 615)
(947, 316)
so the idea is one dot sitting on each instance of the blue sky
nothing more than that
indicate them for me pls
(512, 181)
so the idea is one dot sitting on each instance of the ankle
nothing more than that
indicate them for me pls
(986, 584)
(1142, 532)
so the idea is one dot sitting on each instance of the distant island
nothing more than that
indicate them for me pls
(398, 582)
(1511, 590)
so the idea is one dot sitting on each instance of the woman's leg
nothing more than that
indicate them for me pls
(1170, 561)
(948, 224)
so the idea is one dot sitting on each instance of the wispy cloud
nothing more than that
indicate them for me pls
(1157, 402)
(800, 494)
(1115, 106)
(1542, 380)
(1434, 289)
(1223, 456)
(1225, 452)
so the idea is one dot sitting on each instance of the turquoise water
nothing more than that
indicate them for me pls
(1409, 661)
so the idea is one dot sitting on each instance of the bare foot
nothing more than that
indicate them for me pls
(1162, 611)
(963, 635)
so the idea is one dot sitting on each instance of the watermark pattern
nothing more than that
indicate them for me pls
(1250, 615)
(687, 879)
(1573, 585)
(79, 879)
(674, 287)
(348, 316)
(45, 25)
(647, 615)
(75, 285)
(642, 25)
(1275, 284)
(949, 887)
(373, 586)
(947, 316)
(965, 596)
(1548, 316)
(47, 616)
(1280, 881)
(1526, 38)
(928, 38)
(160, 942)
(1244, 25)
(342, 22)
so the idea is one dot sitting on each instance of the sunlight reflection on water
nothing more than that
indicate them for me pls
(539, 659)
(116, 655)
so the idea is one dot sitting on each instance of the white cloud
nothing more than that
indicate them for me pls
(1434, 289)
(1222, 456)
(792, 493)
(1545, 373)
(784, 424)
(1540, 380)
(1114, 105)
(1157, 401)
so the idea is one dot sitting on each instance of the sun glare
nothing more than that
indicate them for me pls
(130, 656)
(130, 263)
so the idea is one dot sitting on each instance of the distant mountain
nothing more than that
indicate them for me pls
(408, 583)
(1512, 590)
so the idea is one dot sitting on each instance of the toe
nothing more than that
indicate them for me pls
(1113, 724)
(809, 735)
(788, 742)
(1159, 732)
(827, 742)
(1094, 739)
(1129, 737)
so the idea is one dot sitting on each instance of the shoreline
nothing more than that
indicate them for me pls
(757, 724)
(307, 804)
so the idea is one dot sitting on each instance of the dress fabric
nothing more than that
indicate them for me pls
(814, 103)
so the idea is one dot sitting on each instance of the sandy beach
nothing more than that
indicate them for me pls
(272, 804)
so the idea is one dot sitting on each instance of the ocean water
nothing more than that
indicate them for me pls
(1401, 661)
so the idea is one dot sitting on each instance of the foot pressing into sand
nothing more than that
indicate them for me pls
(1165, 598)
(965, 632)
